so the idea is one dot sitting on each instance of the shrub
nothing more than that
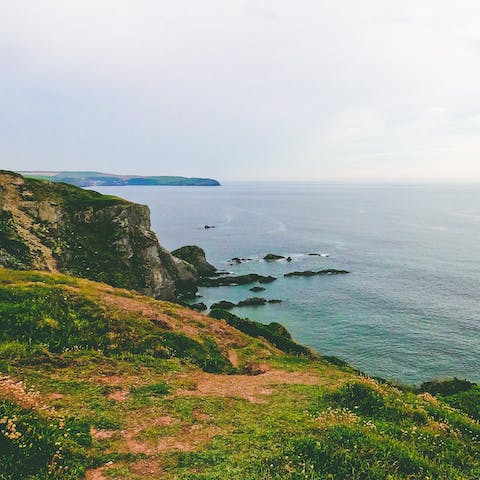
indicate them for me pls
(446, 387)
(467, 401)
(278, 337)
(154, 389)
(368, 399)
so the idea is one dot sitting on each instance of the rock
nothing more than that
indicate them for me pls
(274, 300)
(307, 273)
(317, 254)
(252, 302)
(257, 289)
(222, 305)
(85, 234)
(195, 256)
(235, 280)
(238, 260)
(199, 307)
(310, 273)
(190, 296)
(186, 278)
(272, 256)
(268, 279)
(206, 227)
(249, 302)
(289, 259)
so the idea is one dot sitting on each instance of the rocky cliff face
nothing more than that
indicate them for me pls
(61, 228)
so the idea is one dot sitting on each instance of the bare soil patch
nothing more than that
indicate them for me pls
(118, 395)
(148, 468)
(96, 474)
(101, 434)
(251, 388)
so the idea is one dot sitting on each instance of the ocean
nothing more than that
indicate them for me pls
(409, 309)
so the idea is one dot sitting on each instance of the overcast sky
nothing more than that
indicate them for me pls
(349, 90)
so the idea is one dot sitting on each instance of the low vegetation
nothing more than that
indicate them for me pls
(102, 383)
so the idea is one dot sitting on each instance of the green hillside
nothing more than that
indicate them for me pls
(120, 386)
(90, 179)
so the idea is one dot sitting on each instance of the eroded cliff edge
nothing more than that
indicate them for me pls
(62, 228)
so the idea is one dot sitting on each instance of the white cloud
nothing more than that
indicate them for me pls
(266, 89)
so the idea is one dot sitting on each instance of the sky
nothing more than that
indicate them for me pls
(321, 90)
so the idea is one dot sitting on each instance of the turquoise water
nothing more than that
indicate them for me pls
(409, 311)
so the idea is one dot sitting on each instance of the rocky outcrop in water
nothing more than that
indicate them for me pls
(269, 257)
(248, 302)
(235, 280)
(195, 256)
(223, 305)
(63, 228)
(252, 302)
(310, 273)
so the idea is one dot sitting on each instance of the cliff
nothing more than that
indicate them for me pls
(62, 228)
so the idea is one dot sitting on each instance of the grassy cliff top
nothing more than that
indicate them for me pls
(120, 386)
(39, 189)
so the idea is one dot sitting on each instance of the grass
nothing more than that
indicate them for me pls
(38, 320)
(36, 445)
(119, 388)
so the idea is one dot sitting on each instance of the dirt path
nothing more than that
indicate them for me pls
(96, 474)
(251, 388)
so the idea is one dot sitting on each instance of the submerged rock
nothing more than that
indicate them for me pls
(310, 273)
(273, 256)
(257, 289)
(235, 280)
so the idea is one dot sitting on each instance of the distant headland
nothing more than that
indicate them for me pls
(91, 179)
